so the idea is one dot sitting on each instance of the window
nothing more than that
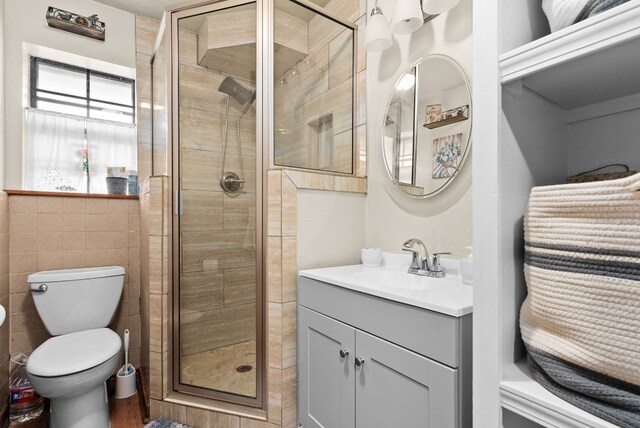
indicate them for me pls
(80, 122)
(73, 90)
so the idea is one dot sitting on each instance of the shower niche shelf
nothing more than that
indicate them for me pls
(226, 40)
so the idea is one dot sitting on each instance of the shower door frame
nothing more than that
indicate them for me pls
(263, 58)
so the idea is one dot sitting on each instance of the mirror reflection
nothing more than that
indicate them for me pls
(427, 127)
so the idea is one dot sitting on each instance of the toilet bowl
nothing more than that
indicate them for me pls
(72, 367)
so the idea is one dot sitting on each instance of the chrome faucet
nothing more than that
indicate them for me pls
(421, 263)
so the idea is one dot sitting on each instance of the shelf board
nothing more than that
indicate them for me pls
(521, 394)
(592, 61)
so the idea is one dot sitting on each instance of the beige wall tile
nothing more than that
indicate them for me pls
(96, 206)
(274, 269)
(47, 204)
(24, 262)
(289, 269)
(74, 259)
(155, 375)
(289, 392)
(23, 242)
(274, 201)
(97, 222)
(274, 396)
(23, 204)
(289, 204)
(58, 240)
(74, 206)
(199, 418)
(253, 423)
(274, 335)
(288, 334)
(118, 206)
(49, 242)
(74, 222)
(97, 240)
(49, 223)
(118, 222)
(23, 223)
(240, 286)
(240, 211)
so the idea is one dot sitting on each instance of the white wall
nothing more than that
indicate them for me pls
(29, 34)
(605, 140)
(2, 104)
(330, 228)
(443, 221)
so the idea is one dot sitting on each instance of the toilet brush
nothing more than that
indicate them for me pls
(126, 376)
(126, 351)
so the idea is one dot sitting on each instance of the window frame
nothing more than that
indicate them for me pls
(34, 98)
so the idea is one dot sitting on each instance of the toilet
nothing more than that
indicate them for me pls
(71, 368)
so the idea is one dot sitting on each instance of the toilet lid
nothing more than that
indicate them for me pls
(74, 352)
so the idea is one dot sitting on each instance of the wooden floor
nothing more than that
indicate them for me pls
(125, 413)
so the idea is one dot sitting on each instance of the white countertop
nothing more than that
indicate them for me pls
(391, 281)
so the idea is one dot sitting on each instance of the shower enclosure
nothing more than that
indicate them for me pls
(239, 87)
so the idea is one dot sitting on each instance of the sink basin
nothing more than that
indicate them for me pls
(391, 281)
(393, 278)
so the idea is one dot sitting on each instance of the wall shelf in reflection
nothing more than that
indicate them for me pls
(454, 115)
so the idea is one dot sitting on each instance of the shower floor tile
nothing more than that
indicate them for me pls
(216, 369)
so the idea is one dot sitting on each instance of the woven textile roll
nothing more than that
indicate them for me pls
(581, 319)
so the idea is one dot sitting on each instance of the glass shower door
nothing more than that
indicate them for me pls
(219, 293)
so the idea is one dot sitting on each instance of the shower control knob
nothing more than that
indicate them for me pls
(344, 353)
(359, 361)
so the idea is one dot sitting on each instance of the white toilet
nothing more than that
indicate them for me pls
(71, 368)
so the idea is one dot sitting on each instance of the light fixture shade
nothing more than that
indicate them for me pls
(378, 37)
(436, 7)
(407, 16)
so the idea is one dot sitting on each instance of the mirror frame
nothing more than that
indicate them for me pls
(420, 59)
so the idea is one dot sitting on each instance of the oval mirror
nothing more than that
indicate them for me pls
(427, 129)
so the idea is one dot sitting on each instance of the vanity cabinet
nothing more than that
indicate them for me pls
(353, 373)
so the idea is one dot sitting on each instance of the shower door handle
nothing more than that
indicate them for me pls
(178, 205)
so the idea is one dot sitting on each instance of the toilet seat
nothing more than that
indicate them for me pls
(72, 353)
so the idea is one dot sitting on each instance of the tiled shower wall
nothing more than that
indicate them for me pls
(324, 87)
(71, 232)
(217, 290)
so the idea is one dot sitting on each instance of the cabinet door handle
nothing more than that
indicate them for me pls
(344, 353)
(359, 361)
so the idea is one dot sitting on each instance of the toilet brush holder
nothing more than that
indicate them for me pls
(126, 382)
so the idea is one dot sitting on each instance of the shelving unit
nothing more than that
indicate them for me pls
(524, 396)
(550, 105)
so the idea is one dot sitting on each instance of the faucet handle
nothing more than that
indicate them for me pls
(436, 260)
(414, 257)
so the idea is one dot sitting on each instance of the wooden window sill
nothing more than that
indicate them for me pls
(68, 194)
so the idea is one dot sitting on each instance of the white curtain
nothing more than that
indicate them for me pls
(110, 144)
(54, 152)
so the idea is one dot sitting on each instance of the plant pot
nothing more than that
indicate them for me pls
(117, 185)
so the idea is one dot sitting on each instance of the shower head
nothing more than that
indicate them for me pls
(245, 97)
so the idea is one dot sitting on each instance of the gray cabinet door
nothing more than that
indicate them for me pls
(398, 388)
(326, 379)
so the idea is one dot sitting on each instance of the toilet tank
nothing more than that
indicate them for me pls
(71, 300)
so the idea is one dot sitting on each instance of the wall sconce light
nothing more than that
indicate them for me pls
(378, 37)
(407, 17)
(436, 7)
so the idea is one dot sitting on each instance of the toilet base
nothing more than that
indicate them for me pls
(90, 409)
